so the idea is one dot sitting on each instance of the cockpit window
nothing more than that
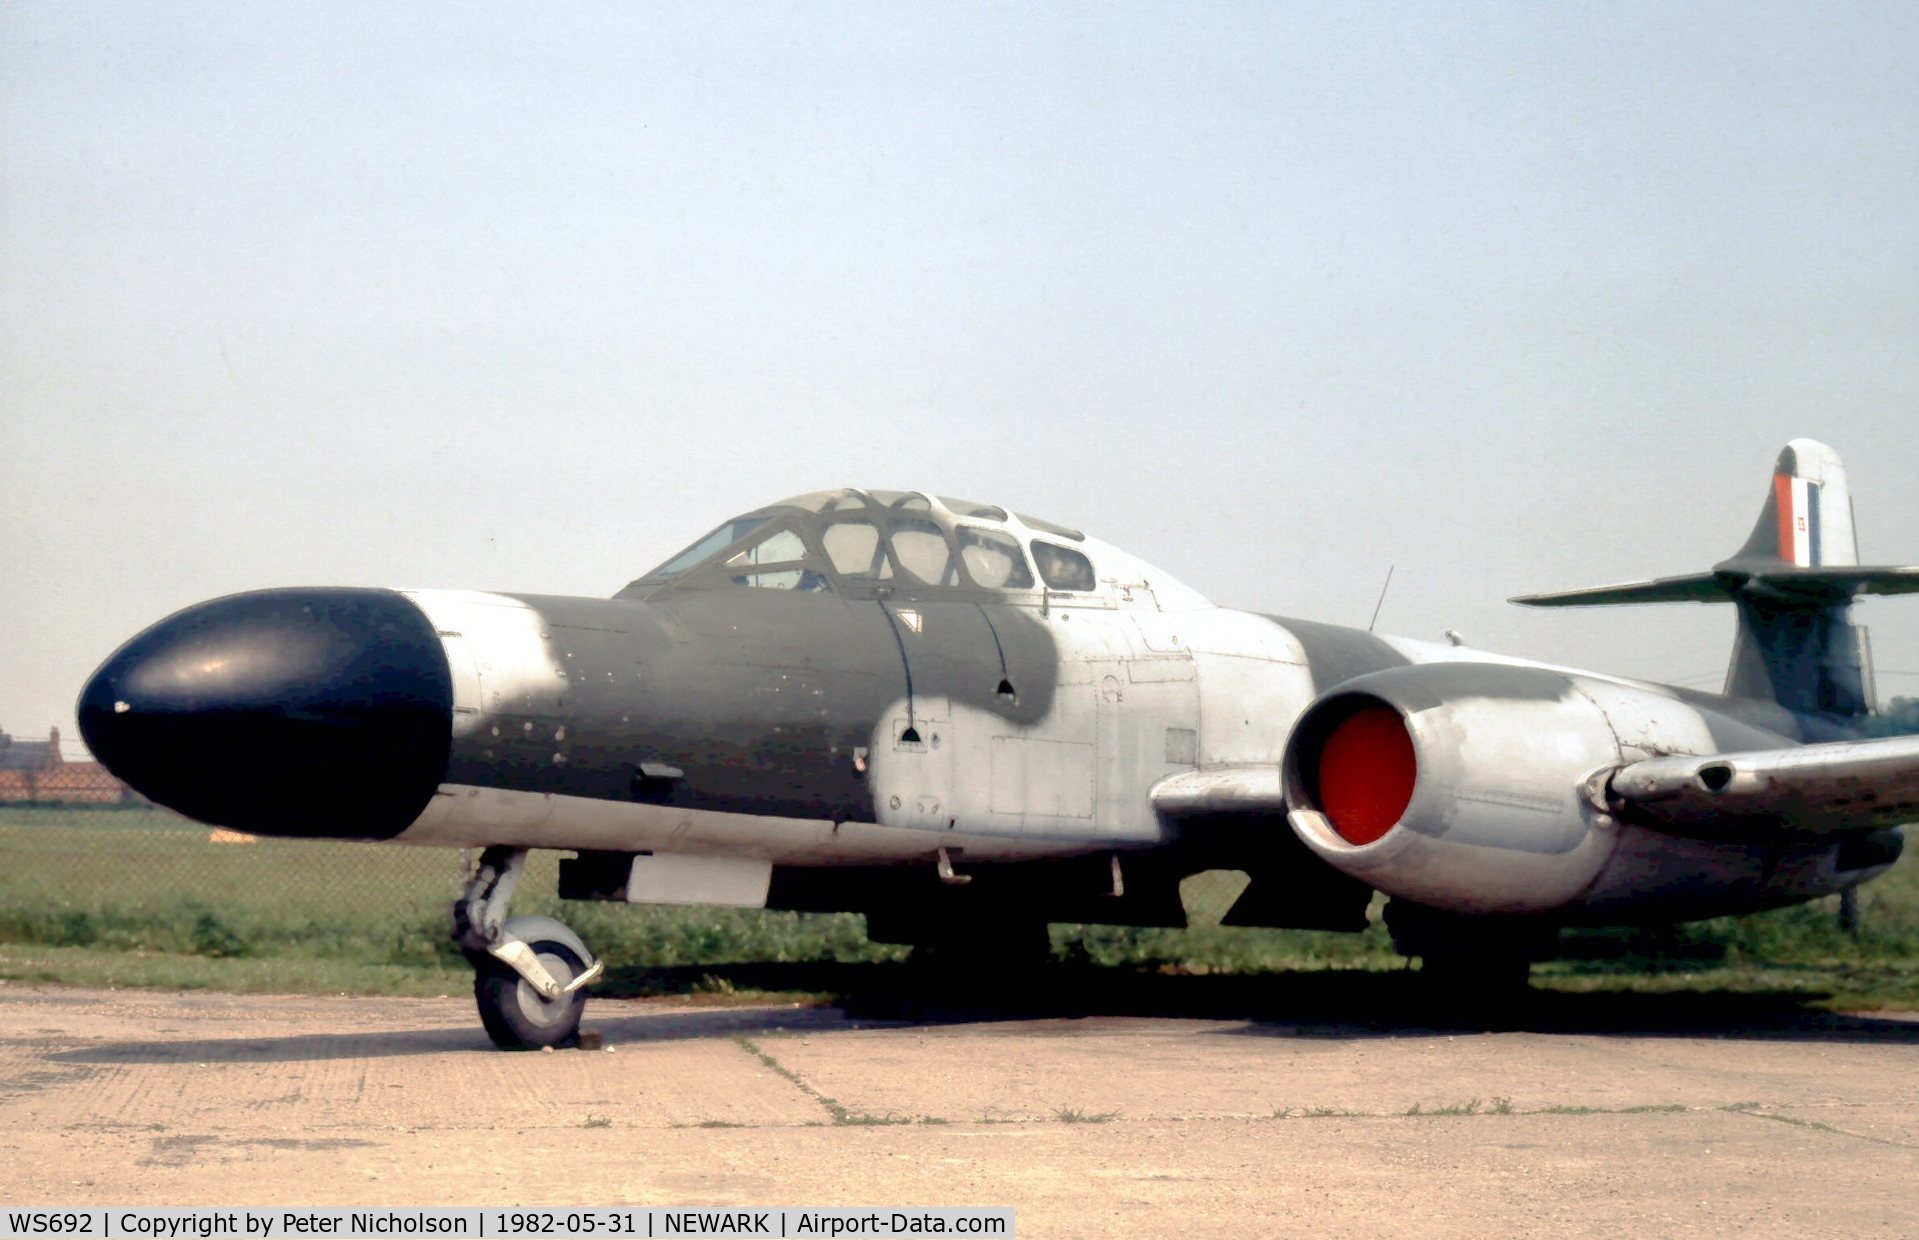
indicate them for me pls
(780, 561)
(725, 536)
(805, 580)
(906, 540)
(923, 551)
(856, 550)
(992, 559)
(775, 548)
(1062, 567)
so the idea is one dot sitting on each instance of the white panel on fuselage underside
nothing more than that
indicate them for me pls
(676, 878)
(464, 816)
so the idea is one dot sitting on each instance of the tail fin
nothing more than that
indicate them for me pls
(1806, 520)
(1793, 583)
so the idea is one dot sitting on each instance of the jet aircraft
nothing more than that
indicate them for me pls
(966, 723)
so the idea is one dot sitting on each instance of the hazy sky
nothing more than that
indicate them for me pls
(1512, 297)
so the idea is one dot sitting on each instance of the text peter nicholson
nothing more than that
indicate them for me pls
(201, 1223)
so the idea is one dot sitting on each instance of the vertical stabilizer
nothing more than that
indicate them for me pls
(1806, 520)
(1802, 651)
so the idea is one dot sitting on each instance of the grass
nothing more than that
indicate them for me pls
(137, 897)
(140, 897)
(1472, 1106)
(840, 1115)
(1501, 1106)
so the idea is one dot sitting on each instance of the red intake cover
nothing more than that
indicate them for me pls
(1366, 773)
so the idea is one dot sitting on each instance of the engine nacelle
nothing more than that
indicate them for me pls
(1466, 787)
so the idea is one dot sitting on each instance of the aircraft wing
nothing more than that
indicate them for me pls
(1810, 790)
(1231, 789)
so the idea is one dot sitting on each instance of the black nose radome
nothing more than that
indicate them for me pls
(283, 712)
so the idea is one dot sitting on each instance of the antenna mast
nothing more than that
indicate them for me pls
(1382, 599)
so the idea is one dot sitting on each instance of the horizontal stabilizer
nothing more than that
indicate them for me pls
(1810, 790)
(1727, 583)
(1696, 588)
(1867, 579)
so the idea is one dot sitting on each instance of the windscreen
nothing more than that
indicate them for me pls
(725, 536)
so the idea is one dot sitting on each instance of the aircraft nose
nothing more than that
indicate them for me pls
(284, 712)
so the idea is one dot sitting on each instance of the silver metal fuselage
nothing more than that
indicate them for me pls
(808, 730)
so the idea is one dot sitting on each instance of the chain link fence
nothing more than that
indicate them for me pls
(86, 864)
(82, 865)
(89, 870)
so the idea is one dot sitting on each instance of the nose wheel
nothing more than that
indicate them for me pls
(530, 974)
(516, 1016)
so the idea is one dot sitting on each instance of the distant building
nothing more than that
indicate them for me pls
(24, 755)
(33, 772)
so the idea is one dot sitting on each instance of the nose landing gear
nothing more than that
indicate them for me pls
(530, 973)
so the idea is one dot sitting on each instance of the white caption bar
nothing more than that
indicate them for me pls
(492, 1221)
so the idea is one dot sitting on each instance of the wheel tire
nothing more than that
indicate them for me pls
(515, 1016)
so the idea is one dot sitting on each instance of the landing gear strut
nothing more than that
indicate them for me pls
(529, 974)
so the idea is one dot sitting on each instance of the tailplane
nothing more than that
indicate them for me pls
(1793, 583)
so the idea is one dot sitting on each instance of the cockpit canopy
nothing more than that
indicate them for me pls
(868, 542)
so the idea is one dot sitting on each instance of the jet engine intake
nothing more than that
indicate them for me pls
(1461, 787)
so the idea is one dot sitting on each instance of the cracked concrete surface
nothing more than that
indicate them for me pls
(1086, 1126)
